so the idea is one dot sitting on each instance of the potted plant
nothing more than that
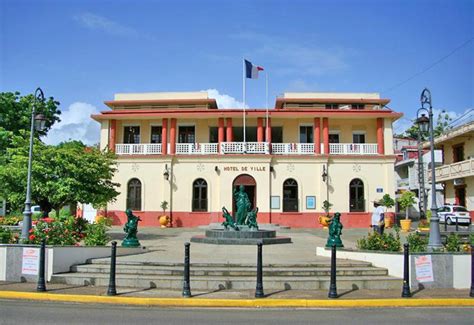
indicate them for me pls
(387, 202)
(324, 220)
(164, 219)
(424, 224)
(406, 201)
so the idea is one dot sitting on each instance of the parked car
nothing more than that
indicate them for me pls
(449, 213)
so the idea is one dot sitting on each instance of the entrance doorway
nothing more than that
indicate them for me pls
(460, 195)
(250, 188)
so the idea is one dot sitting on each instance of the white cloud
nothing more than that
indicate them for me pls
(76, 124)
(224, 101)
(96, 22)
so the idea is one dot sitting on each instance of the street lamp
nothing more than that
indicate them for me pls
(424, 123)
(38, 122)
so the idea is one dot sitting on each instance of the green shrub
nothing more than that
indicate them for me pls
(9, 221)
(418, 244)
(6, 236)
(96, 234)
(453, 243)
(376, 242)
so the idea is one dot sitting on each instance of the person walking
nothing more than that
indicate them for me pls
(378, 218)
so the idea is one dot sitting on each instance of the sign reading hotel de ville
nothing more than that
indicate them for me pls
(30, 261)
(245, 168)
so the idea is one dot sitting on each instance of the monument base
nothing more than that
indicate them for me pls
(244, 236)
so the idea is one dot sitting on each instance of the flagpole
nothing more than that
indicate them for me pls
(266, 106)
(243, 83)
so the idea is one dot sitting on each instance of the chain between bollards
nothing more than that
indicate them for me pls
(41, 287)
(186, 283)
(332, 286)
(112, 291)
(259, 289)
(406, 272)
(471, 294)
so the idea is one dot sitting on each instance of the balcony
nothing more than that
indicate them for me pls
(246, 148)
(403, 183)
(353, 149)
(460, 169)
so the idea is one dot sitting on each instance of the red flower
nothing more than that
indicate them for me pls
(48, 220)
(32, 237)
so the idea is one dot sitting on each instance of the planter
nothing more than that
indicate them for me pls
(164, 221)
(324, 221)
(388, 222)
(405, 224)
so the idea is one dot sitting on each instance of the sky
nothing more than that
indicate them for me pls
(83, 52)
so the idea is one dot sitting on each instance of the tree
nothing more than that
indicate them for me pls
(442, 124)
(67, 173)
(387, 201)
(406, 201)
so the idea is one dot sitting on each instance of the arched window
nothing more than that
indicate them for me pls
(356, 196)
(134, 194)
(290, 195)
(200, 195)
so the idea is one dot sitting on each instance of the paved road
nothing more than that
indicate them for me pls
(25, 312)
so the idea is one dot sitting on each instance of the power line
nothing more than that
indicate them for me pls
(430, 66)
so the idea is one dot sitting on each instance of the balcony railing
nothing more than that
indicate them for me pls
(457, 170)
(138, 149)
(196, 148)
(403, 182)
(353, 148)
(245, 147)
(293, 148)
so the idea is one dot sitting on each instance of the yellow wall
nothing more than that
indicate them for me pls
(449, 194)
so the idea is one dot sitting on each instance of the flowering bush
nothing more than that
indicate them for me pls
(68, 231)
(376, 242)
(9, 221)
(6, 236)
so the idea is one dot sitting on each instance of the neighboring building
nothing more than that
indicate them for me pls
(181, 148)
(457, 171)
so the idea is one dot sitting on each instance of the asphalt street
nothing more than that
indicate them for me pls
(26, 312)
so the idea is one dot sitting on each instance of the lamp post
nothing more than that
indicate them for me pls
(422, 206)
(424, 123)
(37, 123)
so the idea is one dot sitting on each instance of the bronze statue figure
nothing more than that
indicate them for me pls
(229, 221)
(251, 220)
(131, 229)
(243, 205)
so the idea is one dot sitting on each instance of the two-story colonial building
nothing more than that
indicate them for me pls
(182, 148)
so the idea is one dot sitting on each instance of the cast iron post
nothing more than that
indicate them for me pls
(332, 285)
(186, 284)
(406, 272)
(112, 291)
(41, 287)
(259, 290)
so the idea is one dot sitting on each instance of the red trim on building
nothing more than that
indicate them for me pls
(326, 135)
(164, 136)
(220, 133)
(113, 133)
(260, 129)
(194, 219)
(173, 136)
(229, 132)
(380, 138)
(317, 135)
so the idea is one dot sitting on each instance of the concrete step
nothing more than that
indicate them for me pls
(223, 282)
(228, 271)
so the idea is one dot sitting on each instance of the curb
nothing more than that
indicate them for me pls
(241, 303)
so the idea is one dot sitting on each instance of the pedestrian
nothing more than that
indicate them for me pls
(378, 218)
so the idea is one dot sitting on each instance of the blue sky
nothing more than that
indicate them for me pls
(82, 52)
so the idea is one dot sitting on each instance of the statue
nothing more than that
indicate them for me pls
(130, 229)
(229, 221)
(335, 231)
(251, 220)
(243, 205)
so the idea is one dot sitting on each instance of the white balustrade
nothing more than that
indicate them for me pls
(196, 148)
(138, 149)
(353, 149)
(247, 147)
(293, 148)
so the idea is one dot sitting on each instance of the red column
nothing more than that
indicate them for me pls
(269, 131)
(380, 140)
(317, 135)
(221, 135)
(230, 134)
(259, 129)
(112, 134)
(173, 136)
(164, 136)
(326, 135)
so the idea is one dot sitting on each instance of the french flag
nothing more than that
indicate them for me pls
(251, 71)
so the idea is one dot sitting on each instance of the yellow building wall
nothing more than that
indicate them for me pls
(104, 134)
(450, 194)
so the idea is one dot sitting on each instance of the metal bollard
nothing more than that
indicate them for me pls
(186, 284)
(406, 272)
(457, 224)
(471, 294)
(332, 286)
(41, 287)
(112, 291)
(445, 224)
(259, 289)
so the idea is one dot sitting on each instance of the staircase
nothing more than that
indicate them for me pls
(350, 274)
